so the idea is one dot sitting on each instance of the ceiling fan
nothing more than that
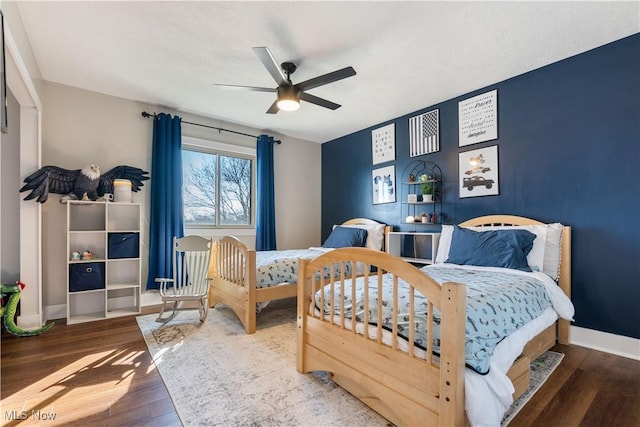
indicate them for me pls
(289, 95)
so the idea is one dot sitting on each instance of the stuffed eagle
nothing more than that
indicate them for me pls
(76, 183)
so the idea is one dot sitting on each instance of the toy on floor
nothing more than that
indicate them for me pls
(8, 312)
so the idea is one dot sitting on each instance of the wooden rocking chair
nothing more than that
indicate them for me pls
(190, 282)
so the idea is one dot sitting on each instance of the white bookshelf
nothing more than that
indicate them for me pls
(118, 292)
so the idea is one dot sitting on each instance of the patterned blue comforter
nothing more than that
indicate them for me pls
(498, 303)
(276, 267)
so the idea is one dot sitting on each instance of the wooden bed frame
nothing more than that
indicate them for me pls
(402, 387)
(234, 278)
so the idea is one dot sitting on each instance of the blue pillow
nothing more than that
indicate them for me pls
(342, 237)
(496, 248)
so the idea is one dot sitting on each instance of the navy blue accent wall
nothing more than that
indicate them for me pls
(568, 150)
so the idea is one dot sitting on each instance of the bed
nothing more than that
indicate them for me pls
(246, 280)
(416, 380)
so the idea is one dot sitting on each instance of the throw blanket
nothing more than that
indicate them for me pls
(498, 303)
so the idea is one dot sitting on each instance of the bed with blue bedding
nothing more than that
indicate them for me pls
(440, 343)
(247, 280)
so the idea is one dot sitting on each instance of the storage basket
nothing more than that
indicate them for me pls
(123, 245)
(86, 276)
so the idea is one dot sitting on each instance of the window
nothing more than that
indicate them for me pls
(217, 185)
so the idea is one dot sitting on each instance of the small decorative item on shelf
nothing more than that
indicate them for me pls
(88, 255)
(412, 198)
(427, 192)
(412, 178)
(425, 218)
(75, 256)
(409, 219)
(434, 218)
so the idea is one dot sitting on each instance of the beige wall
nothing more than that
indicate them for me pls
(82, 127)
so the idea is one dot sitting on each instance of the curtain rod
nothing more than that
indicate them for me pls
(147, 115)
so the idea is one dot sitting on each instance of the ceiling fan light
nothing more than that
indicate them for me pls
(288, 104)
(288, 99)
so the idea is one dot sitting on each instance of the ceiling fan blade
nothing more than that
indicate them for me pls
(319, 101)
(274, 108)
(269, 62)
(251, 88)
(326, 78)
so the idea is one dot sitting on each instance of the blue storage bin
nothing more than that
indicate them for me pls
(123, 245)
(86, 276)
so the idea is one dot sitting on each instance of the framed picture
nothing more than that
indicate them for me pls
(383, 144)
(478, 119)
(478, 172)
(424, 133)
(383, 185)
(3, 80)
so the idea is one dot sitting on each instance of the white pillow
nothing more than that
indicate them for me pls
(535, 258)
(375, 234)
(551, 265)
(445, 244)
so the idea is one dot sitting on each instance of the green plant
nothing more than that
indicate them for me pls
(427, 188)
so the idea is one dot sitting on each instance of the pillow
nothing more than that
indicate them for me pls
(342, 237)
(496, 248)
(375, 234)
(444, 244)
(550, 250)
(535, 258)
(551, 264)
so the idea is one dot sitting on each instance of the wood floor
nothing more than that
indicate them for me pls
(101, 374)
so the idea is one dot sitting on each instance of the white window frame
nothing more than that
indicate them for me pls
(221, 148)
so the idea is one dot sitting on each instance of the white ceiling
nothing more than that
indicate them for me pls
(407, 55)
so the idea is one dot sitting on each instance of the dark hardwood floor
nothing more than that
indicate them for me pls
(101, 374)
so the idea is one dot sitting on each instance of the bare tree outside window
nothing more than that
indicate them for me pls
(201, 174)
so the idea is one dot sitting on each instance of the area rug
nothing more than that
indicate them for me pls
(217, 375)
(541, 369)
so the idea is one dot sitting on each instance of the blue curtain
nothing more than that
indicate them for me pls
(166, 215)
(266, 209)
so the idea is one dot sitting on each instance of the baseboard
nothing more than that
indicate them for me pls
(604, 341)
(150, 298)
(58, 311)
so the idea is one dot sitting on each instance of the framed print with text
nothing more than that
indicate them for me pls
(383, 144)
(478, 119)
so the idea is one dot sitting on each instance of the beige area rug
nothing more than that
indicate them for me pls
(219, 376)
(541, 369)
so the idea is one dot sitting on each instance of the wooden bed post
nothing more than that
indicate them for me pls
(250, 289)
(451, 412)
(301, 315)
(564, 281)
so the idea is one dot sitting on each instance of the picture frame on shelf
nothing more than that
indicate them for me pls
(478, 119)
(383, 185)
(478, 170)
(383, 144)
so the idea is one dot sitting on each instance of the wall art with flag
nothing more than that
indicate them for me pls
(424, 133)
